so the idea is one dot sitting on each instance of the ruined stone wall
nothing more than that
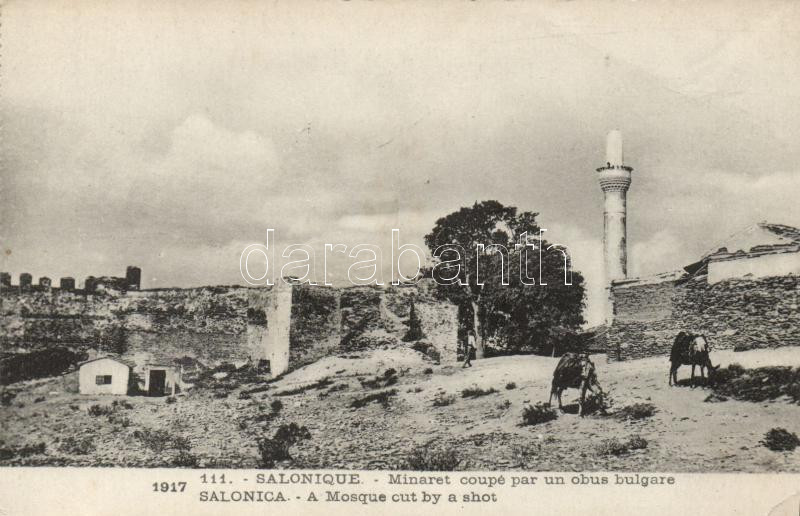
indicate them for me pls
(268, 337)
(438, 318)
(360, 309)
(164, 347)
(289, 325)
(327, 321)
(34, 320)
(211, 324)
(740, 313)
(315, 324)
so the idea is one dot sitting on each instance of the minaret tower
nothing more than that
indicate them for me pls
(615, 179)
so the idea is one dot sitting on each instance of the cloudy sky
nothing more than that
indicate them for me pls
(172, 137)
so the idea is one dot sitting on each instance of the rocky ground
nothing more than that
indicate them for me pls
(217, 425)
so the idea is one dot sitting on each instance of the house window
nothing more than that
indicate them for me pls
(103, 379)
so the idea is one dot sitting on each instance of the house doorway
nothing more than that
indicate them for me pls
(157, 383)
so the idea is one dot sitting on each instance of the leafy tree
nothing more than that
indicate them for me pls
(479, 262)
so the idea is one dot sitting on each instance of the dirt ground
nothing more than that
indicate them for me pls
(685, 434)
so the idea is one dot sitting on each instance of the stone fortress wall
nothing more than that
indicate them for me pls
(741, 313)
(743, 295)
(288, 324)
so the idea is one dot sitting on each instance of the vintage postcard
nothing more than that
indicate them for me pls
(399, 257)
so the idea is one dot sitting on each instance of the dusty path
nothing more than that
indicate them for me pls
(685, 433)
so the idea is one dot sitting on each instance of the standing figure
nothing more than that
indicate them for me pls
(470, 348)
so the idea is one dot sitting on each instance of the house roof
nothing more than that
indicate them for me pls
(758, 238)
(649, 280)
(115, 359)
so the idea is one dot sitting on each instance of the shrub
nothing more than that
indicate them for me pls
(522, 453)
(715, 398)
(388, 379)
(780, 439)
(6, 397)
(538, 413)
(336, 388)
(170, 400)
(476, 392)
(736, 369)
(319, 384)
(160, 440)
(414, 325)
(181, 443)
(382, 397)
(244, 395)
(255, 390)
(504, 405)
(442, 399)
(264, 417)
(428, 370)
(121, 404)
(39, 399)
(427, 349)
(427, 458)
(184, 459)
(118, 419)
(100, 410)
(614, 446)
(637, 442)
(759, 384)
(77, 446)
(511, 386)
(611, 446)
(156, 440)
(723, 376)
(275, 408)
(74, 407)
(596, 402)
(22, 451)
(637, 411)
(275, 449)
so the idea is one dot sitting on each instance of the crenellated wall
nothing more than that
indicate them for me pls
(288, 325)
(210, 324)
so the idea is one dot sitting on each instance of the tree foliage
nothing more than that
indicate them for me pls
(518, 317)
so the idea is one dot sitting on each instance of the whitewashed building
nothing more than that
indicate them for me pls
(105, 375)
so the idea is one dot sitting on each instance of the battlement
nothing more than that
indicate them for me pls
(283, 326)
(92, 284)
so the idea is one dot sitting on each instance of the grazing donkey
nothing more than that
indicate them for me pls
(577, 372)
(690, 349)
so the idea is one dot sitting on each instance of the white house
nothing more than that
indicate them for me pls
(759, 251)
(105, 375)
